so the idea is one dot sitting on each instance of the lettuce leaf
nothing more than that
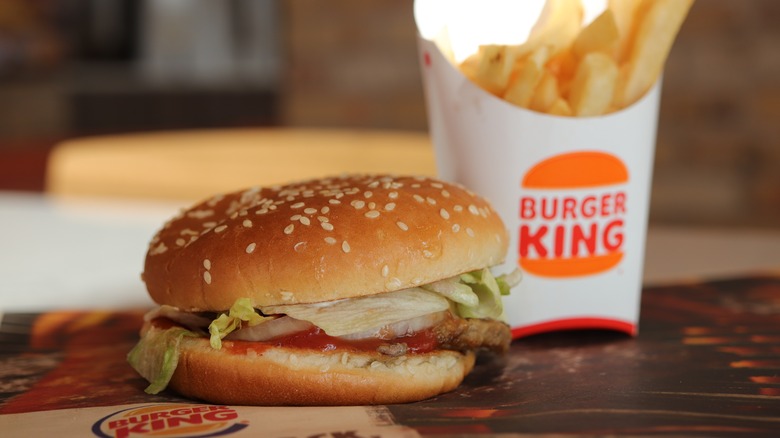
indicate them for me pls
(156, 356)
(453, 289)
(485, 286)
(241, 312)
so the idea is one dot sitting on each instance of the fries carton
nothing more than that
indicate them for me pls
(573, 191)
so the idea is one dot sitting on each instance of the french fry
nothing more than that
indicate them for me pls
(522, 87)
(624, 12)
(560, 108)
(546, 94)
(492, 71)
(594, 85)
(600, 35)
(656, 30)
(565, 69)
(558, 25)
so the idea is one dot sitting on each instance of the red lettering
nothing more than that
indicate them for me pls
(549, 208)
(578, 236)
(606, 202)
(183, 411)
(527, 208)
(116, 423)
(158, 424)
(620, 203)
(613, 235)
(569, 204)
(192, 419)
(588, 207)
(560, 232)
(528, 240)
(221, 415)
(156, 415)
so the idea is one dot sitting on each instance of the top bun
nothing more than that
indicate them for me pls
(321, 240)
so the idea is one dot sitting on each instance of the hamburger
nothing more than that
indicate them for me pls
(367, 289)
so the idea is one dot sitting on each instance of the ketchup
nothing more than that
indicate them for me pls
(423, 341)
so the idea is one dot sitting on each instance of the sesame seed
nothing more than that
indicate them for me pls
(207, 264)
(234, 215)
(393, 195)
(289, 229)
(385, 270)
(371, 214)
(393, 283)
(304, 220)
(445, 193)
(473, 210)
(247, 223)
(470, 232)
(334, 201)
(209, 224)
(358, 204)
(415, 186)
(374, 184)
(297, 204)
(300, 246)
(345, 246)
(458, 208)
(326, 226)
(251, 248)
(372, 205)
(180, 242)
(419, 198)
(330, 241)
(455, 228)
(437, 185)
(200, 214)
(368, 194)
(444, 214)
(427, 254)
(220, 228)
(322, 219)
(310, 211)
(325, 210)
(402, 226)
(390, 206)
(295, 217)
(262, 211)
(207, 277)
(159, 249)
(272, 207)
(431, 201)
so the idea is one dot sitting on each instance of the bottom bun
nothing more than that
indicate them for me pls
(288, 376)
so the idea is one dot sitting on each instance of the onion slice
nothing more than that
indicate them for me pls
(264, 331)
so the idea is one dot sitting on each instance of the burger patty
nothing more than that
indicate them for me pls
(473, 334)
(462, 335)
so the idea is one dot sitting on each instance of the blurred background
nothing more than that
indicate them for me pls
(73, 68)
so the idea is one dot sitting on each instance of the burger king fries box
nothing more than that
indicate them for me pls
(562, 156)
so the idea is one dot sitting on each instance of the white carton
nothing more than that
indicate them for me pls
(573, 192)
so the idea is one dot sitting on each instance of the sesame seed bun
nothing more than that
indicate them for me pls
(321, 240)
(288, 376)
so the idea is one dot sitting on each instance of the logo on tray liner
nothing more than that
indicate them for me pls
(170, 420)
(572, 211)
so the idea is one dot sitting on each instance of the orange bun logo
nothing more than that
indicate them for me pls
(572, 215)
(166, 420)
